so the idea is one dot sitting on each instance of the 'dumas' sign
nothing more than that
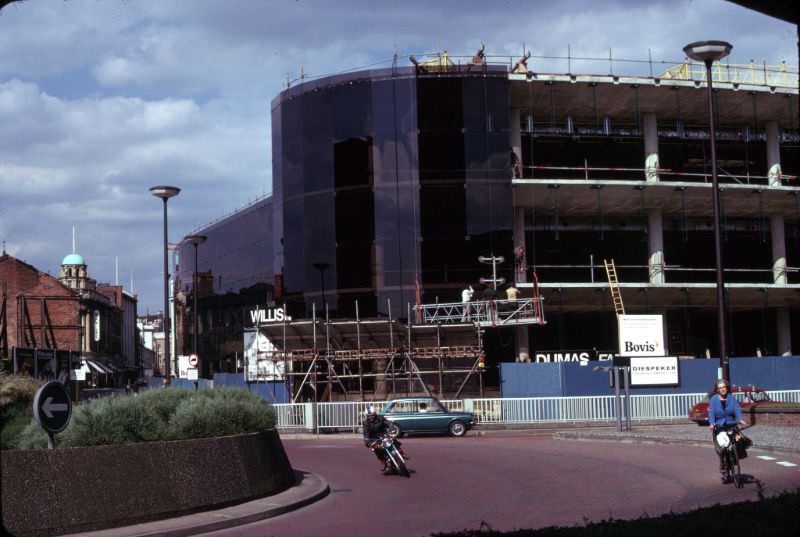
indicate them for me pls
(571, 356)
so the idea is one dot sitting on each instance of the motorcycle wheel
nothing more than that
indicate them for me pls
(401, 466)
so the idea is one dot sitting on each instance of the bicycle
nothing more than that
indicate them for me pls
(733, 467)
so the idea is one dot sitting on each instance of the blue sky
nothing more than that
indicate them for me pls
(101, 99)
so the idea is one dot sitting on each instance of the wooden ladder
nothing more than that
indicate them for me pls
(613, 285)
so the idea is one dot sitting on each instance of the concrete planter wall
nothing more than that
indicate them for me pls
(52, 492)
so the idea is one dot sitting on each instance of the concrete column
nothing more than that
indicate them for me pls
(650, 128)
(515, 142)
(523, 350)
(655, 237)
(784, 331)
(515, 135)
(773, 153)
(778, 235)
(519, 242)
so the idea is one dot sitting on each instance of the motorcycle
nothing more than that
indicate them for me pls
(394, 459)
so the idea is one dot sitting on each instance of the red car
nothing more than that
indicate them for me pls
(747, 396)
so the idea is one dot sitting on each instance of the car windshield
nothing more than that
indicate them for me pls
(759, 397)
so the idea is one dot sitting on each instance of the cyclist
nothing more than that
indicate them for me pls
(724, 412)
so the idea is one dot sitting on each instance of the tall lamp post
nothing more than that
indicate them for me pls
(195, 240)
(165, 193)
(708, 52)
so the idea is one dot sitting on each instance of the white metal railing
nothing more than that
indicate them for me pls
(518, 410)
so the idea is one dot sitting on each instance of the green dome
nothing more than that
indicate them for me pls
(73, 259)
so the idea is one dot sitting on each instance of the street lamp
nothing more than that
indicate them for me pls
(708, 52)
(165, 193)
(195, 240)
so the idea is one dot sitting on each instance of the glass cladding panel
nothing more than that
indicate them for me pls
(294, 253)
(475, 156)
(442, 211)
(355, 232)
(317, 166)
(291, 113)
(396, 205)
(351, 110)
(352, 162)
(320, 246)
(277, 192)
(441, 156)
(440, 118)
(318, 116)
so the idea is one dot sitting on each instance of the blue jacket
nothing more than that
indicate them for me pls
(727, 414)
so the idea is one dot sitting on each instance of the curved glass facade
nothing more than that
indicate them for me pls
(390, 181)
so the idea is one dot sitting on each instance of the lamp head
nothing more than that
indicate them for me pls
(707, 51)
(195, 239)
(164, 191)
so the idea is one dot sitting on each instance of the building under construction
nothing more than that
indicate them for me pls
(393, 187)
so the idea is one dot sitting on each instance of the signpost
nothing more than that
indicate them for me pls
(52, 409)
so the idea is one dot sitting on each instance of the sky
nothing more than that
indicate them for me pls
(102, 99)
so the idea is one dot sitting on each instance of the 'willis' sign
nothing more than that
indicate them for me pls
(259, 316)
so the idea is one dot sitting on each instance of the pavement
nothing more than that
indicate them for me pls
(312, 487)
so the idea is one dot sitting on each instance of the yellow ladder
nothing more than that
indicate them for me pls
(613, 285)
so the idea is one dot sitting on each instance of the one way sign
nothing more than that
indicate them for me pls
(52, 407)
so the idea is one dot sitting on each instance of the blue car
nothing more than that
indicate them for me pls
(426, 415)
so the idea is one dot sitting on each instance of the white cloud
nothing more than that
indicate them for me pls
(100, 100)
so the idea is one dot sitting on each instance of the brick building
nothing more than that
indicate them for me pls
(43, 318)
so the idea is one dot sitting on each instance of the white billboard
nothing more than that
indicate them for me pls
(641, 335)
(654, 371)
(183, 367)
(260, 361)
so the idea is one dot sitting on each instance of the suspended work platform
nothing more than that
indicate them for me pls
(484, 313)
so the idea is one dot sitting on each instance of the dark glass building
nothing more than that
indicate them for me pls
(389, 184)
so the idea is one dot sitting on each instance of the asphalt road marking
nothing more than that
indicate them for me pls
(766, 457)
(787, 464)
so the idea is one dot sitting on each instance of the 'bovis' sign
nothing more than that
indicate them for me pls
(641, 335)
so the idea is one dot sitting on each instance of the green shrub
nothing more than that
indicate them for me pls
(227, 412)
(33, 437)
(16, 407)
(114, 420)
(16, 389)
(158, 414)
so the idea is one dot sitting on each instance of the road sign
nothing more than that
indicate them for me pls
(192, 374)
(52, 407)
(193, 360)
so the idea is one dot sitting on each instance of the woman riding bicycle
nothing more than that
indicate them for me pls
(724, 412)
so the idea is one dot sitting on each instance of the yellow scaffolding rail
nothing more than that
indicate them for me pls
(737, 73)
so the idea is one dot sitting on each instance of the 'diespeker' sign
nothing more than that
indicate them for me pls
(641, 335)
(654, 371)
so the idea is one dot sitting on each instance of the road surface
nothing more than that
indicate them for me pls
(507, 482)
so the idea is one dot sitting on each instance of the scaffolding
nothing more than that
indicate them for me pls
(325, 359)
(737, 73)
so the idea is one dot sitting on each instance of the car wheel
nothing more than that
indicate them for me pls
(457, 428)
(395, 430)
